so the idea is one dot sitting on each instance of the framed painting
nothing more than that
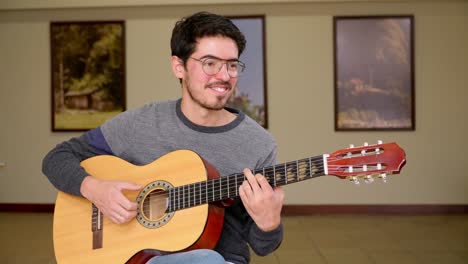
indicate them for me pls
(251, 91)
(88, 73)
(374, 73)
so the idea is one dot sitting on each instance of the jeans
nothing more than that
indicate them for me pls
(198, 256)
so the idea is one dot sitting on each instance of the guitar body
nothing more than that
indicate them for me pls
(191, 228)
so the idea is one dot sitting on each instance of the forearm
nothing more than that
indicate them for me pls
(62, 164)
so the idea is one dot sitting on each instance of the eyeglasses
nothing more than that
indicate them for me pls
(212, 66)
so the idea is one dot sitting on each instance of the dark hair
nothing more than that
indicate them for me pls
(202, 24)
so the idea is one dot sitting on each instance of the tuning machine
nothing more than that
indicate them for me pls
(354, 180)
(383, 177)
(368, 179)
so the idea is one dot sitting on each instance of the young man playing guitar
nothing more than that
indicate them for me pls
(205, 58)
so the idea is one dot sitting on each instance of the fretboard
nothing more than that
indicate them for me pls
(223, 188)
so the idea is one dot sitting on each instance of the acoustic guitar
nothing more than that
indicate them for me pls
(180, 206)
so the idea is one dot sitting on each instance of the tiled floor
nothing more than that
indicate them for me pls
(317, 239)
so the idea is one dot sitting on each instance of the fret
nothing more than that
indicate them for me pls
(310, 167)
(199, 186)
(220, 188)
(188, 194)
(184, 204)
(237, 186)
(206, 192)
(170, 200)
(297, 170)
(175, 198)
(286, 173)
(178, 197)
(213, 190)
(194, 189)
(274, 175)
(228, 187)
(192, 194)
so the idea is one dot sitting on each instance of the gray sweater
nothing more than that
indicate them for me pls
(144, 134)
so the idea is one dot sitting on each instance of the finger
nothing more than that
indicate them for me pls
(124, 216)
(116, 218)
(129, 186)
(252, 180)
(122, 199)
(279, 191)
(244, 198)
(246, 189)
(263, 182)
(127, 204)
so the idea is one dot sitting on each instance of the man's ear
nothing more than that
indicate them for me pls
(178, 67)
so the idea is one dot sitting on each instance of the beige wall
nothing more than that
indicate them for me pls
(300, 94)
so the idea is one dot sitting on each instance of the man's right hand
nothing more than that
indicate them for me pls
(107, 196)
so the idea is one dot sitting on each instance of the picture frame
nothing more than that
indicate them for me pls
(87, 73)
(374, 73)
(251, 92)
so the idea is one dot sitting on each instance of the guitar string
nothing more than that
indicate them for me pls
(267, 171)
(281, 166)
(230, 182)
(192, 198)
(288, 171)
(217, 193)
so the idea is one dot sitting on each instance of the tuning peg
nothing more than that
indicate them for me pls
(363, 152)
(351, 145)
(377, 150)
(383, 176)
(355, 180)
(368, 179)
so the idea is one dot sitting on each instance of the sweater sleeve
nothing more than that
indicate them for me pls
(62, 164)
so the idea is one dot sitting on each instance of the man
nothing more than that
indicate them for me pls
(205, 51)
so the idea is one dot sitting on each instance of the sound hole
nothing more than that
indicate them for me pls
(155, 205)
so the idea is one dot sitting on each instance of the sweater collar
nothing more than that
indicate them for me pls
(210, 129)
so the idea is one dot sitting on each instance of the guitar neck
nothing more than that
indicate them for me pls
(223, 188)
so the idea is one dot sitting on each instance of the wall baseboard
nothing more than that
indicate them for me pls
(396, 209)
(27, 208)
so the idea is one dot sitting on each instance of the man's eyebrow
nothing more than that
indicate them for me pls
(209, 56)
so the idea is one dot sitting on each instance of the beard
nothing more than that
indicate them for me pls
(199, 99)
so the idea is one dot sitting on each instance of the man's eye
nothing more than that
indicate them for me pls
(233, 65)
(210, 63)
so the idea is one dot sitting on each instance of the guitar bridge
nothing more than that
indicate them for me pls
(96, 227)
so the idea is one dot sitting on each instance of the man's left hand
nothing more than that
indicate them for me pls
(262, 202)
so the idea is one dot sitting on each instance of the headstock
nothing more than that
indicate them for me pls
(366, 162)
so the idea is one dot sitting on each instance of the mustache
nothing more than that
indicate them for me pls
(221, 83)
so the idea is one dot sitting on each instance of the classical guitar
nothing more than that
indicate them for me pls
(179, 207)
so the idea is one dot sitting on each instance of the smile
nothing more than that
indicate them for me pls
(220, 87)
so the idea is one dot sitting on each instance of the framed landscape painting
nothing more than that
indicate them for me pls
(374, 73)
(251, 91)
(88, 73)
